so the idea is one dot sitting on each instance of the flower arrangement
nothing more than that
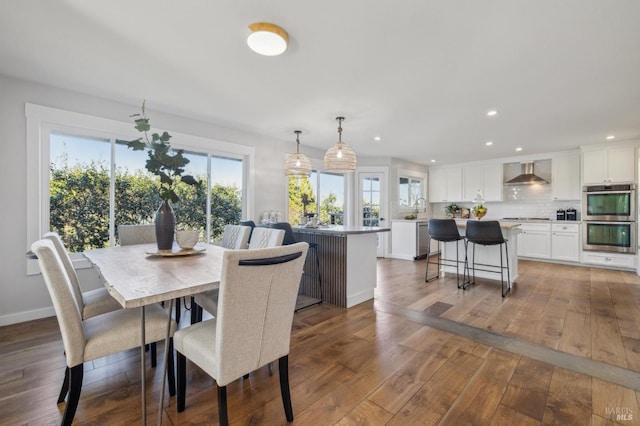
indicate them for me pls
(451, 209)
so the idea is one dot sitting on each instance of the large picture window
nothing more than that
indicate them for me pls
(83, 181)
(321, 193)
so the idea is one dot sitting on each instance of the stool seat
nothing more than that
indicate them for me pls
(446, 231)
(489, 233)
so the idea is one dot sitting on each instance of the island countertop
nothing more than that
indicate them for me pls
(341, 230)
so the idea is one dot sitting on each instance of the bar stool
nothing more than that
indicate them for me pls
(289, 238)
(446, 231)
(488, 234)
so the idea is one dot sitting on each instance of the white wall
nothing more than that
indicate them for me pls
(25, 297)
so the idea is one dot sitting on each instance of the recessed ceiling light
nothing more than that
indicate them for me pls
(518, 149)
(267, 39)
(610, 137)
(488, 143)
(377, 138)
(492, 113)
(433, 161)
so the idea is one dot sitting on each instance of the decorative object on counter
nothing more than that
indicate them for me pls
(168, 164)
(410, 217)
(451, 210)
(479, 210)
(297, 165)
(340, 158)
(571, 214)
(187, 238)
(465, 213)
(561, 214)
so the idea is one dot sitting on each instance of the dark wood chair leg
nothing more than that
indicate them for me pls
(65, 386)
(178, 310)
(283, 366)
(222, 406)
(171, 373)
(194, 311)
(75, 386)
(181, 360)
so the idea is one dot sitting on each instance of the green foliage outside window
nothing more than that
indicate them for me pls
(302, 186)
(79, 204)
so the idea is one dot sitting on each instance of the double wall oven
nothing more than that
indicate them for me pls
(609, 215)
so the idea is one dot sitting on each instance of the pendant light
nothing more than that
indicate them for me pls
(340, 158)
(297, 165)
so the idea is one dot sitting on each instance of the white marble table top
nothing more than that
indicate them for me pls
(136, 279)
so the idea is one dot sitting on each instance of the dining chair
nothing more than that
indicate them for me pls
(209, 300)
(258, 291)
(235, 237)
(250, 224)
(88, 339)
(136, 234)
(266, 237)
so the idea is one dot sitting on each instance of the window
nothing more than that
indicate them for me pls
(410, 190)
(303, 197)
(83, 180)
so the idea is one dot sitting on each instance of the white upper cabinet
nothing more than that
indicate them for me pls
(485, 178)
(445, 185)
(614, 164)
(565, 177)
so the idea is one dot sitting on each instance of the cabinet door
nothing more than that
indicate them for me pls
(621, 164)
(492, 182)
(473, 182)
(437, 185)
(565, 246)
(454, 184)
(565, 177)
(594, 166)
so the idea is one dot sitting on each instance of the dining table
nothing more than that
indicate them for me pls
(140, 275)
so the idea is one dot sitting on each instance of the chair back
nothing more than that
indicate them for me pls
(258, 292)
(444, 230)
(289, 238)
(235, 237)
(68, 265)
(484, 233)
(250, 224)
(68, 309)
(136, 234)
(266, 237)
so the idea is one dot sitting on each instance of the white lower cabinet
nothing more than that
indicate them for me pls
(534, 240)
(565, 242)
(610, 260)
(404, 239)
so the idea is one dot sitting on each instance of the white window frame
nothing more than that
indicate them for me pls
(42, 121)
(409, 174)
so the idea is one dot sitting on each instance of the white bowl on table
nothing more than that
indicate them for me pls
(187, 238)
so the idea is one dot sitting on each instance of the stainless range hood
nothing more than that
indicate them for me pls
(526, 176)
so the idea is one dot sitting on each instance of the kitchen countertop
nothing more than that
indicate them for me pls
(341, 230)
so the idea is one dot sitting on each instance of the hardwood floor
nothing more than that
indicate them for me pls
(562, 348)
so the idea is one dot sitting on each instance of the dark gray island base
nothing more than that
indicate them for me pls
(348, 267)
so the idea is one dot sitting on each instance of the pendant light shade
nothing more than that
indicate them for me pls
(340, 158)
(297, 165)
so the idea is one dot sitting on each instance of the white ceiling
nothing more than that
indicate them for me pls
(421, 74)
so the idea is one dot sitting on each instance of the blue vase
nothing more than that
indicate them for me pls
(165, 226)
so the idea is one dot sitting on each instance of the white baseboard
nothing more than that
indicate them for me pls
(363, 296)
(26, 316)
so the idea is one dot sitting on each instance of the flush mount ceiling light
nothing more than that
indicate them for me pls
(297, 165)
(492, 113)
(340, 158)
(267, 39)
(610, 137)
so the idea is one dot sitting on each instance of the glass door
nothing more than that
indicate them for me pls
(372, 204)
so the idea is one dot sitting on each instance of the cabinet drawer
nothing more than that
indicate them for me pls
(535, 227)
(565, 227)
(627, 261)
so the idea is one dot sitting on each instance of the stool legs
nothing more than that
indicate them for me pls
(505, 285)
(441, 261)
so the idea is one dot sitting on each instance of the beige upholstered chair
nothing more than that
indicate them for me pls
(136, 234)
(94, 302)
(209, 300)
(266, 237)
(85, 340)
(236, 237)
(258, 291)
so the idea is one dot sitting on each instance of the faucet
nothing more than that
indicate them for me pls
(417, 203)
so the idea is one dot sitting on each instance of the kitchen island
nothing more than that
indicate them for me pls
(489, 255)
(348, 268)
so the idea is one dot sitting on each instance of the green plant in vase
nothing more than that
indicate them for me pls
(168, 164)
(451, 210)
